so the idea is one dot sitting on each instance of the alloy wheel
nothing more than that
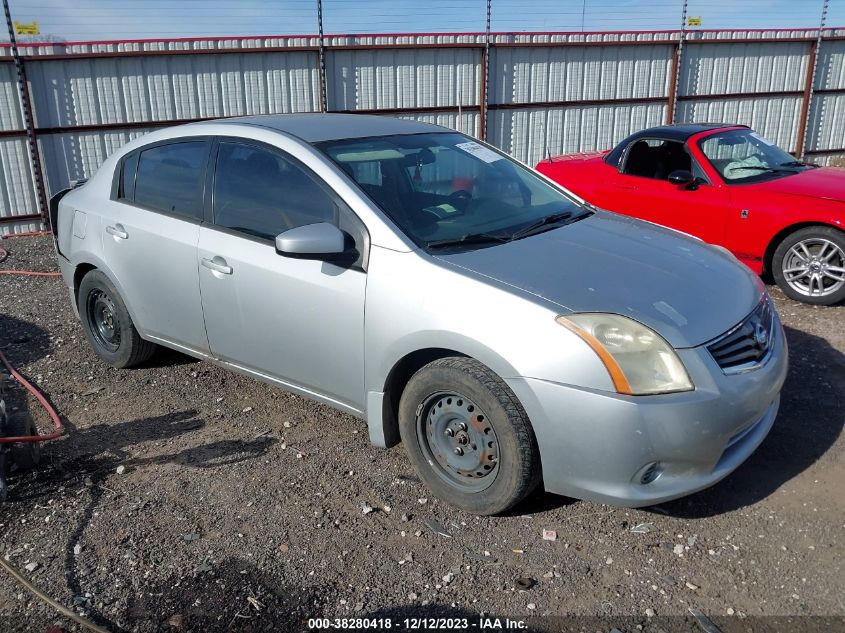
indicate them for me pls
(815, 267)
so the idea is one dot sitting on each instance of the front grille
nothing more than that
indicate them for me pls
(748, 344)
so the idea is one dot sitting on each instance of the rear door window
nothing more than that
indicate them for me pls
(170, 178)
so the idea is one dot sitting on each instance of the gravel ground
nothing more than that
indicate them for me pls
(188, 498)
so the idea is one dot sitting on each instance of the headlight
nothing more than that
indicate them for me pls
(639, 361)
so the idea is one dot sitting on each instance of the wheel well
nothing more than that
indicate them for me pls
(78, 274)
(780, 236)
(396, 381)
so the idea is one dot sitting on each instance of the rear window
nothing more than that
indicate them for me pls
(126, 185)
(170, 178)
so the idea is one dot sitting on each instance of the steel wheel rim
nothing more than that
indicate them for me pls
(102, 317)
(458, 441)
(815, 267)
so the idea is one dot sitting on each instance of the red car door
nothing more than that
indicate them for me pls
(641, 189)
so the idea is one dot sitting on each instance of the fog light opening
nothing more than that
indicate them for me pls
(651, 472)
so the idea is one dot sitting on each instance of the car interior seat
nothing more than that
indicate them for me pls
(640, 160)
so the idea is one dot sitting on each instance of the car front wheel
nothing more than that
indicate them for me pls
(809, 265)
(107, 323)
(468, 436)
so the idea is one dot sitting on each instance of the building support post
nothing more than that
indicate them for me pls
(675, 74)
(322, 58)
(29, 122)
(485, 76)
(809, 86)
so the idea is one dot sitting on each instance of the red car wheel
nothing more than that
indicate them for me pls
(809, 265)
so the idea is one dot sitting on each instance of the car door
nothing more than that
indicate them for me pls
(150, 235)
(644, 191)
(297, 321)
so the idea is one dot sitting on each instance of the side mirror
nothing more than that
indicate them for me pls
(323, 241)
(681, 177)
(684, 177)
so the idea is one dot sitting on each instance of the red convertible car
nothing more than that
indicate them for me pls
(730, 187)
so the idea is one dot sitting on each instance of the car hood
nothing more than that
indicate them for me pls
(822, 182)
(677, 285)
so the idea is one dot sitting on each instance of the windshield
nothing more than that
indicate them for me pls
(446, 190)
(742, 156)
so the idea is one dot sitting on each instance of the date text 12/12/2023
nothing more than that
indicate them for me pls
(418, 624)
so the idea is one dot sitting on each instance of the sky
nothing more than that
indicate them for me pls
(141, 19)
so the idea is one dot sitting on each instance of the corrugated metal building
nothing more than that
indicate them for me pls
(530, 94)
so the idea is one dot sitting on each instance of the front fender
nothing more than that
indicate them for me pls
(415, 303)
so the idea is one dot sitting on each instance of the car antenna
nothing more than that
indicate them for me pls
(548, 154)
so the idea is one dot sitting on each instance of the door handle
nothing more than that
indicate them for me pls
(218, 265)
(118, 231)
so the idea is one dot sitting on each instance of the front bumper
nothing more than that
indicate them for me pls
(598, 445)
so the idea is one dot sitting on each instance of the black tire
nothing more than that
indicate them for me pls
(125, 348)
(24, 456)
(516, 469)
(784, 259)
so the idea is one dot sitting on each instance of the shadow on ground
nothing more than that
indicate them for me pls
(228, 595)
(22, 343)
(100, 450)
(166, 357)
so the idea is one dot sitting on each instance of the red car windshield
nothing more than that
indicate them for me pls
(743, 156)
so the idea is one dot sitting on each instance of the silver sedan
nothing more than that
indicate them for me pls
(505, 331)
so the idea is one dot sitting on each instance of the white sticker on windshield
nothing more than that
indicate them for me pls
(765, 141)
(479, 151)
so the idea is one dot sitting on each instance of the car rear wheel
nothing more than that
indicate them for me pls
(107, 323)
(468, 436)
(809, 265)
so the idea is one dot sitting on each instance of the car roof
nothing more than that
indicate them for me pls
(317, 127)
(680, 132)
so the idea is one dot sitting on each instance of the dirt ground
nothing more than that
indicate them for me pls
(188, 498)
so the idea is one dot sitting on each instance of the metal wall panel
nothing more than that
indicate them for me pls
(11, 117)
(829, 160)
(73, 156)
(466, 122)
(830, 72)
(404, 39)
(522, 75)
(179, 44)
(775, 118)
(827, 123)
(127, 89)
(741, 67)
(402, 78)
(530, 134)
(612, 37)
(758, 34)
(120, 89)
(414, 39)
(17, 188)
